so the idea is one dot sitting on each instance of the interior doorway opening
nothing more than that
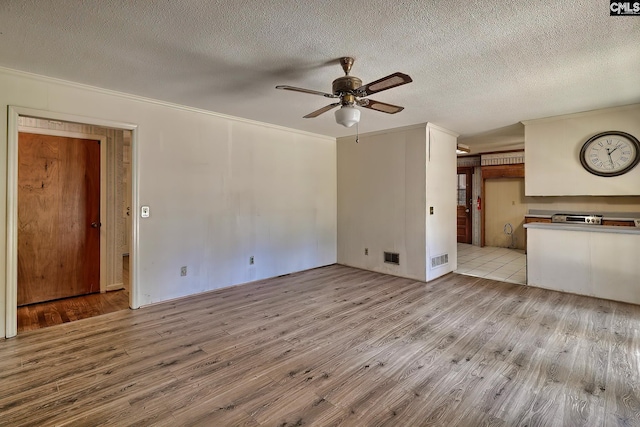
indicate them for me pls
(116, 224)
(495, 250)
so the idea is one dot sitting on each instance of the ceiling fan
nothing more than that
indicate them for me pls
(351, 93)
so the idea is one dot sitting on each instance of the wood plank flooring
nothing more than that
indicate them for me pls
(50, 313)
(335, 346)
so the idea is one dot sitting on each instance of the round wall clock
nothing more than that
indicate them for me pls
(610, 153)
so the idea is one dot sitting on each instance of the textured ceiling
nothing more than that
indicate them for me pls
(476, 65)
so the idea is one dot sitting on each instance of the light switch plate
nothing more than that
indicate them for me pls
(144, 212)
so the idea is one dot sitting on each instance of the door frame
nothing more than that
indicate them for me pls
(11, 279)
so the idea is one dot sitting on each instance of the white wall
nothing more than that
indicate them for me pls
(220, 189)
(386, 184)
(552, 148)
(381, 201)
(441, 177)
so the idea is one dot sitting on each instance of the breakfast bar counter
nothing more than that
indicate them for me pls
(596, 260)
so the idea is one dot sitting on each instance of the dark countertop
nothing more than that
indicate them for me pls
(610, 216)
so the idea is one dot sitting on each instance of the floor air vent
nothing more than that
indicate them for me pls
(440, 260)
(392, 258)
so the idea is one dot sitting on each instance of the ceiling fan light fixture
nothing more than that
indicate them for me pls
(347, 116)
(350, 92)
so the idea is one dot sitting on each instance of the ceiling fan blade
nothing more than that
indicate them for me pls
(321, 110)
(392, 80)
(312, 92)
(380, 106)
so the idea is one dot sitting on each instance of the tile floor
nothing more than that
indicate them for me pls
(506, 265)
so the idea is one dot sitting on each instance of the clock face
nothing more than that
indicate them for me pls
(610, 153)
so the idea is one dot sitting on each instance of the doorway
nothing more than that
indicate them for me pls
(110, 253)
(506, 208)
(58, 216)
(476, 259)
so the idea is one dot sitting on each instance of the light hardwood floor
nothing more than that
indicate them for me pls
(50, 313)
(336, 346)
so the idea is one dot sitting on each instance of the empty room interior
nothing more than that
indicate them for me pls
(323, 213)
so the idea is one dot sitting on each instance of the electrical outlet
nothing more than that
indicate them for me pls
(430, 210)
(366, 251)
(183, 270)
(250, 260)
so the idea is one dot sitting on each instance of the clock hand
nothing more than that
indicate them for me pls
(610, 159)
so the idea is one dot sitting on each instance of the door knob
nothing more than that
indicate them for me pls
(96, 224)
(467, 210)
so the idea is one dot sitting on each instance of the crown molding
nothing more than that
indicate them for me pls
(124, 95)
(581, 114)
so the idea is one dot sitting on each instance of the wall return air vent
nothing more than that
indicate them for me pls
(392, 258)
(439, 261)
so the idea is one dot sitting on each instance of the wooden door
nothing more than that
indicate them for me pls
(465, 180)
(58, 217)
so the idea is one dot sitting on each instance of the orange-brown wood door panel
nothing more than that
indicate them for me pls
(58, 217)
(463, 212)
(462, 224)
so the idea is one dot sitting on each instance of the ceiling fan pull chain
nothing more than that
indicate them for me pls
(357, 132)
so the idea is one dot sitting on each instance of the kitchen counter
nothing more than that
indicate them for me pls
(584, 227)
(609, 219)
(608, 216)
(594, 260)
